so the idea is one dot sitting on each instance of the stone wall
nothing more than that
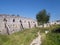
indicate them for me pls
(10, 24)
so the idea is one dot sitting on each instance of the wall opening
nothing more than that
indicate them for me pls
(34, 25)
(0, 31)
(29, 24)
(5, 20)
(13, 20)
(7, 28)
(21, 25)
(5, 23)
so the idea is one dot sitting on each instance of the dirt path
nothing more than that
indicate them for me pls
(37, 40)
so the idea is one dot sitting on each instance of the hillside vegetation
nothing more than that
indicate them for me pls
(52, 38)
(25, 37)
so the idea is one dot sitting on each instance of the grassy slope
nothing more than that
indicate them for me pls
(26, 36)
(19, 38)
(52, 38)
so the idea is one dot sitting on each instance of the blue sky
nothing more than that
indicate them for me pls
(29, 8)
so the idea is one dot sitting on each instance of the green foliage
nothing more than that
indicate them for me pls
(3, 39)
(25, 37)
(42, 17)
(52, 38)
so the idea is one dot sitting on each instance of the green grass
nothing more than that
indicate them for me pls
(3, 39)
(25, 37)
(52, 38)
(20, 38)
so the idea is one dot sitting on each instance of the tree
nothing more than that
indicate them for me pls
(42, 17)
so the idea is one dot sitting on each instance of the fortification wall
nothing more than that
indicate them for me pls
(11, 24)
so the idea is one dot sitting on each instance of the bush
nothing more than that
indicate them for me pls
(56, 30)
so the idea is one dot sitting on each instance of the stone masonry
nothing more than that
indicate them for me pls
(11, 23)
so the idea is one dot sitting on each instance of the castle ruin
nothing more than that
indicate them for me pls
(11, 23)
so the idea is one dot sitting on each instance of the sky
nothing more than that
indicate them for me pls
(29, 8)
